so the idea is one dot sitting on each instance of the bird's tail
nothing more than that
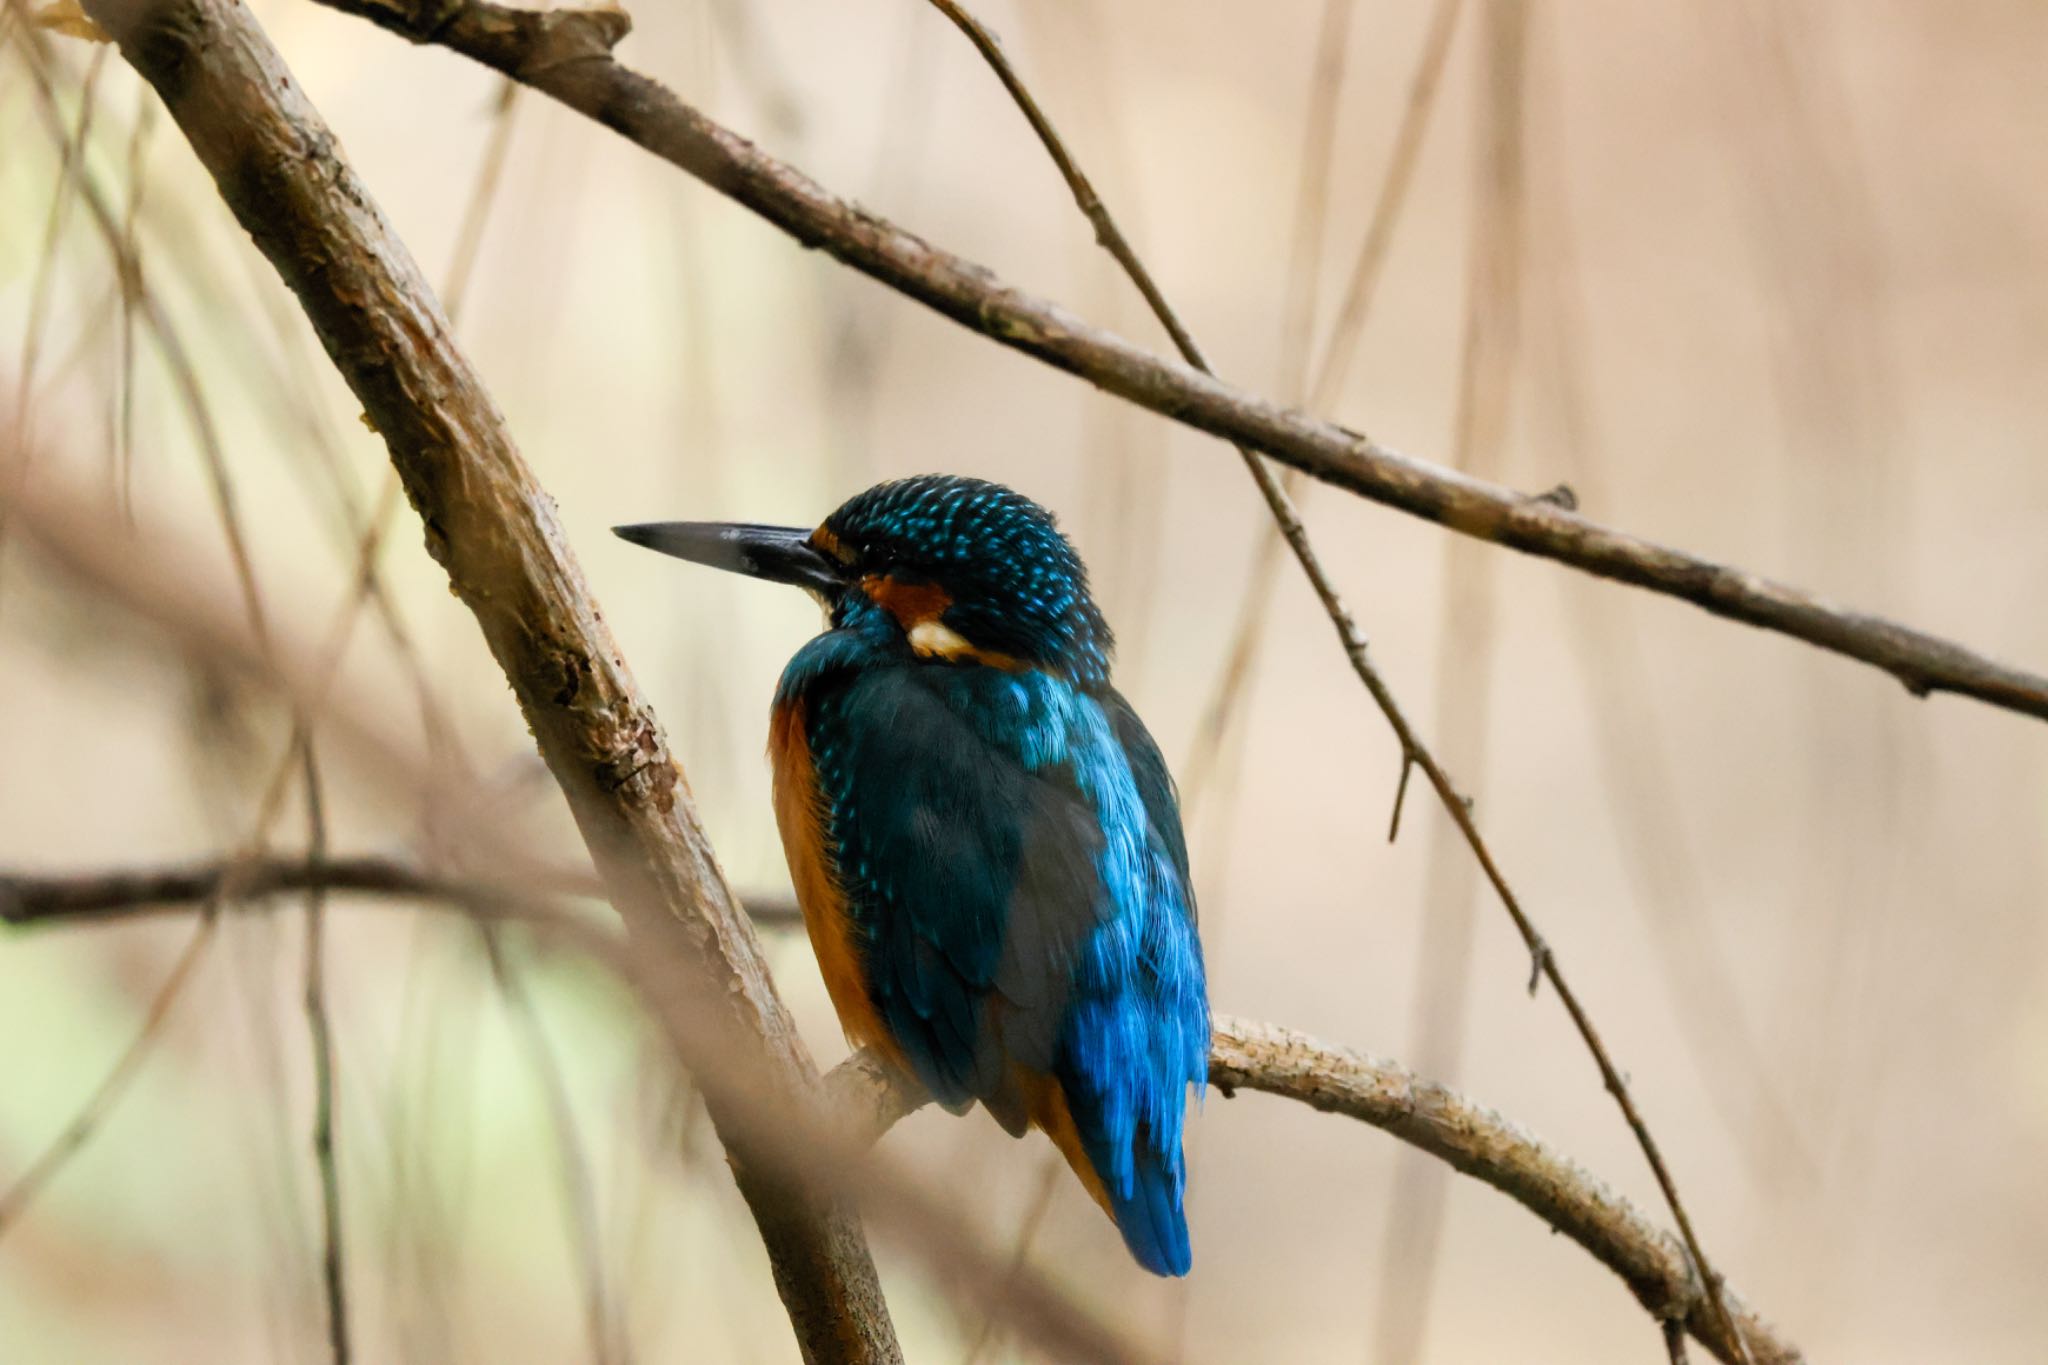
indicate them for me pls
(1149, 1213)
(1140, 1189)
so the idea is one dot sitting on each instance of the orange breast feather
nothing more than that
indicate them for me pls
(799, 813)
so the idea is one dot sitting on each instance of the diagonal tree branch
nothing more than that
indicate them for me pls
(566, 54)
(868, 1098)
(493, 529)
(155, 581)
(1413, 750)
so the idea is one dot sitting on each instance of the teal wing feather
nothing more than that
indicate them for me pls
(1011, 853)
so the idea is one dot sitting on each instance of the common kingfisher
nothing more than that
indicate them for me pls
(985, 842)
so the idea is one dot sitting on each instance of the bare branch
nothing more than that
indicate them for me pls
(567, 54)
(1476, 1140)
(494, 530)
(866, 1097)
(28, 899)
(1490, 1148)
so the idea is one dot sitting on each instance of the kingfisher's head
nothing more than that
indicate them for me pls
(966, 570)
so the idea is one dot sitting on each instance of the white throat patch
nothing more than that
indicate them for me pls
(937, 639)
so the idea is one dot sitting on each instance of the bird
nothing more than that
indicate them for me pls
(984, 839)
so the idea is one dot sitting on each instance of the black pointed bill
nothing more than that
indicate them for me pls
(780, 554)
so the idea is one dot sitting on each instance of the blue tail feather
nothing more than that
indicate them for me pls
(1150, 1216)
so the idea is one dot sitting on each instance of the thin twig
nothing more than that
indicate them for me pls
(483, 194)
(1213, 758)
(74, 1135)
(1367, 267)
(374, 530)
(1253, 615)
(1051, 1172)
(184, 375)
(1312, 204)
(567, 54)
(333, 1279)
(578, 1188)
(118, 237)
(1542, 959)
(1644, 787)
(131, 216)
(71, 149)
(1412, 1232)
(1210, 757)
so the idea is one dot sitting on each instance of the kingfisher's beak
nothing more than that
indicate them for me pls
(781, 554)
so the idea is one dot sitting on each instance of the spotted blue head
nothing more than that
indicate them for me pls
(968, 570)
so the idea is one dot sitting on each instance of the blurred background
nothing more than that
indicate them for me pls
(1762, 280)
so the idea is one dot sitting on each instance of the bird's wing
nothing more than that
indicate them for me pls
(968, 856)
(1009, 855)
(1155, 788)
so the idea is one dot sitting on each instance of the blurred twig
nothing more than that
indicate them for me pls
(71, 149)
(1412, 1234)
(607, 1341)
(131, 216)
(1253, 614)
(1049, 1176)
(493, 529)
(866, 1097)
(68, 1142)
(1413, 751)
(28, 898)
(137, 295)
(1646, 791)
(333, 1278)
(567, 55)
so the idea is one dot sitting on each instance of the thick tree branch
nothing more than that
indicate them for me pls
(567, 54)
(866, 1098)
(155, 580)
(493, 529)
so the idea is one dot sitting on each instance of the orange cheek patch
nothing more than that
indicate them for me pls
(917, 609)
(912, 604)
